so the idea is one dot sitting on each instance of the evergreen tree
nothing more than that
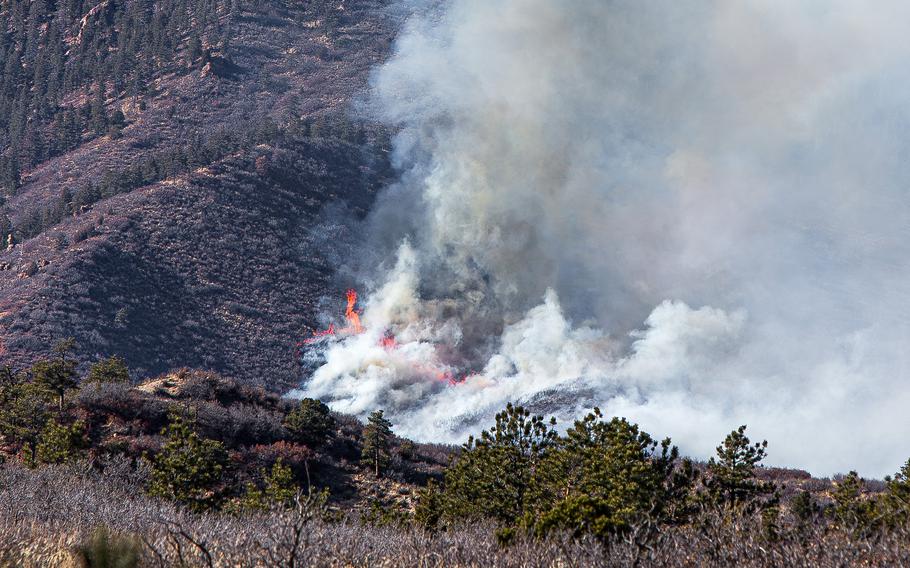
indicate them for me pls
(99, 120)
(60, 443)
(493, 476)
(11, 175)
(731, 482)
(852, 510)
(110, 370)
(896, 499)
(6, 228)
(57, 375)
(310, 423)
(604, 477)
(193, 50)
(24, 410)
(188, 468)
(117, 122)
(804, 509)
(430, 506)
(377, 439)
(279, 489)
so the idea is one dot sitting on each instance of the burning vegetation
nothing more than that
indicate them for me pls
(351, 316)
(311, 352)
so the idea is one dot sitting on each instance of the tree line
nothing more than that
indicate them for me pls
(52, 48)
(607, 478)
(202, 150)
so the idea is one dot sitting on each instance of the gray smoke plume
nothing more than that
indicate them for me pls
(695, 215)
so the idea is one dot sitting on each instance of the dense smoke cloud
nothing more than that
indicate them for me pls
(692, 214)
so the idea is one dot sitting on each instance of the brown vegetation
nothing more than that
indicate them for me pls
(45, 514)
(208, 258)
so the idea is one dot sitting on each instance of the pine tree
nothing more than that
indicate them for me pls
(493, 476)
(279, 491)
(852, 510)
(188, 468)
(60, 443)
(310, 423)
(99, 120)
(11, 175)
(24, 410)
(429, 509)
(117, 122)
(377, 439)
(731, 481)
(896, 499)
(604, 477)
(804, 508)
(6, 228)
(57, 375)
(110, 370)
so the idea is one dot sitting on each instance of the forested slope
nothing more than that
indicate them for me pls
(164, 165)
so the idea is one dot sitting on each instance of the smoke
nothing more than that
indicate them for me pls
(694, 215)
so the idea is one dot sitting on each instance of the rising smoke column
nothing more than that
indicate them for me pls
(694, 216)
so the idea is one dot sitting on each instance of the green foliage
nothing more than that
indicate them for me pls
(380, 515)
(64, 347)
(57, 376)
(731, 483)
(377, 439)
(310, 423)
(852, 509)
(804, 507)
(106, 550)
(493, 476)
(895, 502)
(279, 491)
(99, 119)
(603, 477)
(188, 468)
(110, 370)
(24, 410)
(407, 450)
(429, 509)
(60, 443)
(770, 522)
(505, 536)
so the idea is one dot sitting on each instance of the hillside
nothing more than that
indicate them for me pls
(177, 225)
(102, 456)
(124, 423)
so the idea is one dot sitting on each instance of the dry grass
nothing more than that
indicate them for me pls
(45, 514)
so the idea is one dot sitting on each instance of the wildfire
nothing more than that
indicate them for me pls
(388, 340)
(351, 315)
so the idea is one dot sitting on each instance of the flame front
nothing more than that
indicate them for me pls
(351, 315)
(387, 341)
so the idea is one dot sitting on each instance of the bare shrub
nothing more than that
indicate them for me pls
(47, 514)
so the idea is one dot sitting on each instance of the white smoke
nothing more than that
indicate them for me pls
(578, 174)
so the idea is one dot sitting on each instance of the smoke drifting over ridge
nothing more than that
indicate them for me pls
(692, 216)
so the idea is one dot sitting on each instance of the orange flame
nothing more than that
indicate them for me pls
(351, 314)
(387, 341)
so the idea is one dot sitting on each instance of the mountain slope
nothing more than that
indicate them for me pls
(185, 235)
